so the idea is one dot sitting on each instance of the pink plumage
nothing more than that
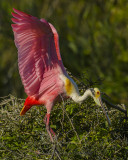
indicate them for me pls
(39, 60)
(38, 52)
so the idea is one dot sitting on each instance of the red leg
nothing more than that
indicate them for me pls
(49, 130)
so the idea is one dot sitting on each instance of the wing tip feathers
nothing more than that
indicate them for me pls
(19, 14)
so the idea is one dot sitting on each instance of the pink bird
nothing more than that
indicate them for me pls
(41, 68)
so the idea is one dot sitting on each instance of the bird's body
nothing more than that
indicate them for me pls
(63, 89)
(41, 68)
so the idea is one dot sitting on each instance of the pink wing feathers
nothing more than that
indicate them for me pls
(38, 52)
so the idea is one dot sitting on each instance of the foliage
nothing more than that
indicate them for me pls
(93, 37)
(82, 132)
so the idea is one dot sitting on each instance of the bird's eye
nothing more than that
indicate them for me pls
(98, 92)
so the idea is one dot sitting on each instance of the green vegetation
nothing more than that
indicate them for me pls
(94, 47)
(82, 132)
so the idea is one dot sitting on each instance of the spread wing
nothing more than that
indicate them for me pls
(38, 50)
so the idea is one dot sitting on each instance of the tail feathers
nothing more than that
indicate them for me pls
(24, 110)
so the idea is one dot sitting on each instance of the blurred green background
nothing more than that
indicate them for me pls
(93, 40)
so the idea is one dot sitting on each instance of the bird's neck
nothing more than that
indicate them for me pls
(80, 99)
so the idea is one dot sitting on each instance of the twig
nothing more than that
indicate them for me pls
(103, 93)
(71, 123)
(69, 118)
(57, 154)
(54, 147)
(115, 106)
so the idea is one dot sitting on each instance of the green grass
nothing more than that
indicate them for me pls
(82, 132)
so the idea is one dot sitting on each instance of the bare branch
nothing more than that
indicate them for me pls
(64, 110)
(115, 106)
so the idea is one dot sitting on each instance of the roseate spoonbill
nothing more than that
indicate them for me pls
(41, 69)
